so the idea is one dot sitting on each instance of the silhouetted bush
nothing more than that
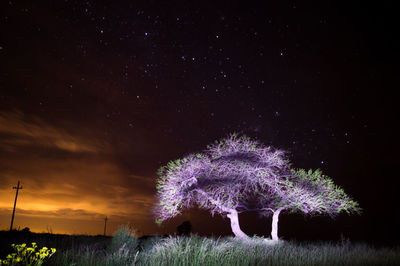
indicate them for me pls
(184, 229)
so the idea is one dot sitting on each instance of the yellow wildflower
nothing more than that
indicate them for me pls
(25, 255)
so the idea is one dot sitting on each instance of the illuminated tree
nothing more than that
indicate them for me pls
(307, 192)
(238, 174)
(224, 179)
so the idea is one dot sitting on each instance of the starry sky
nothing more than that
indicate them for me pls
(95, 97)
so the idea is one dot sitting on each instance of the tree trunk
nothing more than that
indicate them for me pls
(234, 217)
(275, 219)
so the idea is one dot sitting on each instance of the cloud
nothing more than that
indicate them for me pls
(65, 212)
(73, 177)
(62, 191)
(92, 184)
(20, 130)
(67, 176)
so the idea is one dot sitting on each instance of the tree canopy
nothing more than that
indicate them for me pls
(238, 174)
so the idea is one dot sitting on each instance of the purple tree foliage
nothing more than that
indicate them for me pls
(307, 192)
(238, 174)
(223, 180)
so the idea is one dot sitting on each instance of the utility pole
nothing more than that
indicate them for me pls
(105, 225)
(15, 203)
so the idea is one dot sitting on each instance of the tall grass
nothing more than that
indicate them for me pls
(125, 249)
(124, 239)
(121, 250)
(196, 250)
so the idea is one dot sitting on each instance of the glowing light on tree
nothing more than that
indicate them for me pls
(309, 192)
(238, 174)
(222, 180)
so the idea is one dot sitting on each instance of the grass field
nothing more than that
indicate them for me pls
(123, 249)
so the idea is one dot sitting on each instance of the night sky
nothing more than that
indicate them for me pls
(95, 97)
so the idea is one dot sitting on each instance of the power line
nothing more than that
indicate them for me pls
(105, 225)
(15, 203)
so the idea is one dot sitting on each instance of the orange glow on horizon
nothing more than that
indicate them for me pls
(68, 179)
